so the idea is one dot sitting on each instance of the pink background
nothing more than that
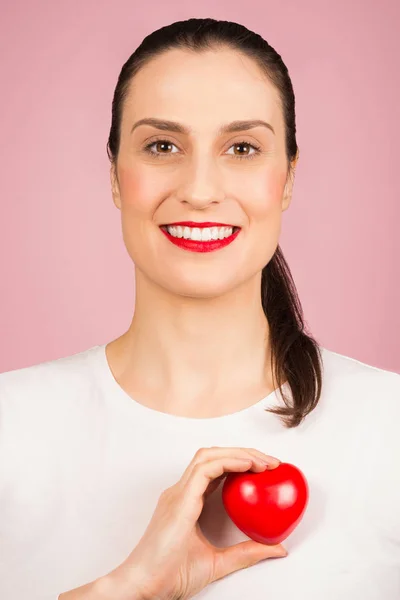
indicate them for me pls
(67, 282)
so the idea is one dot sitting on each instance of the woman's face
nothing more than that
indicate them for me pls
(201, 174)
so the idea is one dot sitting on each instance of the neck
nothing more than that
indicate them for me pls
(190, 349)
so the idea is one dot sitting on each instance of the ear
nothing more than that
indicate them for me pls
(115, 187)
(287, 193)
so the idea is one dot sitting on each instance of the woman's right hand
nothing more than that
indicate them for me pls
(174, 560)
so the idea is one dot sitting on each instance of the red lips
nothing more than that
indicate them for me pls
(266, 506)
(200, 246)
(194, 224)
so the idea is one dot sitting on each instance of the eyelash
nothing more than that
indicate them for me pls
(243, 143)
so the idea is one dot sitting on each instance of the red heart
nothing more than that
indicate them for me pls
(266, 506)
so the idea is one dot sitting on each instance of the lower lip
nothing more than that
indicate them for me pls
(195, 246)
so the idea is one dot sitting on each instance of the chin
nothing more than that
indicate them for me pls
(200, 287)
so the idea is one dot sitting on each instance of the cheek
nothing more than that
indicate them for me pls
(138, 190)
(265, 197)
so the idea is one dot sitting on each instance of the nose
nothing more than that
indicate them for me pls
(201, 185)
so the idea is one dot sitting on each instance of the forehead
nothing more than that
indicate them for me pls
(211, 86)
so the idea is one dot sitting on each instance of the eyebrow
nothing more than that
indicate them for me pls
(178, 128)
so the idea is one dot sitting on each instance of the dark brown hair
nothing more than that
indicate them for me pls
(295, 354)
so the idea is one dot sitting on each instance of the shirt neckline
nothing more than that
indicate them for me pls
(110, 383)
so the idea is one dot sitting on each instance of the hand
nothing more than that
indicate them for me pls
(174, 560)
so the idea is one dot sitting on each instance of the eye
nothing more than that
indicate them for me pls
(164, 144)
(160, 144)
(256, 149)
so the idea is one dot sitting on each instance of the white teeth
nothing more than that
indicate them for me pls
(206, 235)
(195, 234)
(214, 233)
(203, 234)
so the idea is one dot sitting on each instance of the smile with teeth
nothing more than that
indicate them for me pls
(203, 234)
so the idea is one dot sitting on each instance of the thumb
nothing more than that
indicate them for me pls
(244, 555)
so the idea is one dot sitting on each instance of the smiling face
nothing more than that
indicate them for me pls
(201, 169)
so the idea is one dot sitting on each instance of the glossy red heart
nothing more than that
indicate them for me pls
(266, 506)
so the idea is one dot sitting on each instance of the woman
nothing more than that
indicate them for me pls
(111, 458)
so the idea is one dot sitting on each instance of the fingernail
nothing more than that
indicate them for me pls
(272, 464)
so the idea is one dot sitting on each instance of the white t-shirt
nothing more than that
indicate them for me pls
(82, 466)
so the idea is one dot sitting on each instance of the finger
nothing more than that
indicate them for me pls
(202, 475)
(204, 454)
(255, 463)
(252, 451)
(214, 485)
(244, 555)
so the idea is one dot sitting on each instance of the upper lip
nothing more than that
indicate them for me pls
(194, 224)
